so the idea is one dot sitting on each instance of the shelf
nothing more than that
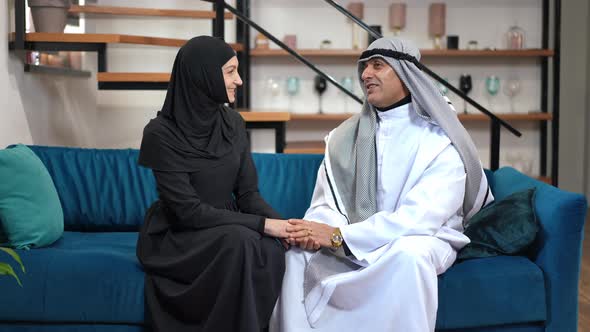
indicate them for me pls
(305, 147)
(425, 53)
(128, 11)
(537, 116)
(104, 38)
(306, 52)
(320, 117)
(56, 71)
(133, 77)
(250, 116)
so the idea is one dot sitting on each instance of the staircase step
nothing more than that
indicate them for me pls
(130, 11)
(312, 147)
(108, 38)
(133, 77)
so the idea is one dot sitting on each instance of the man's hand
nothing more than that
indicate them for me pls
(318, 234)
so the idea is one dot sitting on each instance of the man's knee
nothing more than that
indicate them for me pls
(413, 250)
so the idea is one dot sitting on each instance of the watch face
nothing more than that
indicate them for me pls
(337, 240)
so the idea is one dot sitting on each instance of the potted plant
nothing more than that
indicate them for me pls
(49, 15)
(6, 269)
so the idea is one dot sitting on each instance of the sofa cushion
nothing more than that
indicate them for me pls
(102, 190)
(83, 277)
(491, 291)
(286, 181)
(30, 211)
(505, 227)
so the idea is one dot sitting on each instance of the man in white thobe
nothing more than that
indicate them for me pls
(397, 182)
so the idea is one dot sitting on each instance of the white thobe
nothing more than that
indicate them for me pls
(402, 248)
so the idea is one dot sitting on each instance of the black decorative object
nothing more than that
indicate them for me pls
(320, 85)
(371, 38)
(465, 85)
(452, 42)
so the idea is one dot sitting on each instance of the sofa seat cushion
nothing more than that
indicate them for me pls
(491, 291)
(83, 277)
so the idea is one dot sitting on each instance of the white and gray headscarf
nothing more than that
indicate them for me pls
(352, 145)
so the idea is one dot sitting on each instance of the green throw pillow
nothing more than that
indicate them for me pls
(30, 212)
(506, 227)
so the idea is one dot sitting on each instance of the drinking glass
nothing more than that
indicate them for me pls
(511, 89)
(348, 83)
(492, 87)
(292, 89)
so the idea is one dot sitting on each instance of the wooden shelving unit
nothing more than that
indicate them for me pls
(527, 53)
(129, 11)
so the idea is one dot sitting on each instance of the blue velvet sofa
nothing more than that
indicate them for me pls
(90, 279)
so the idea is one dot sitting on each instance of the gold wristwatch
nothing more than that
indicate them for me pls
(336, 238)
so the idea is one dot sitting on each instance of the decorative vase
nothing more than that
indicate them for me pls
(49, 15)
(515, 38)
(437, 22)
(397, 17)
(261, 42)
(357, 9)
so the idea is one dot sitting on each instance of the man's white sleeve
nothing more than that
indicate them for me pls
(434, 199)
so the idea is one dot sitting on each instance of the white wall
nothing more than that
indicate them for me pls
(14, 127)
(574, 169)
(40, 108)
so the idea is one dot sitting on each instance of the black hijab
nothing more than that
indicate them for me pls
(193, 124)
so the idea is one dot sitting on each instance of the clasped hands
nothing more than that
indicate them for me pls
(308, 235)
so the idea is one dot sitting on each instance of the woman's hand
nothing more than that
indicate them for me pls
(309, 234)
(276, 228)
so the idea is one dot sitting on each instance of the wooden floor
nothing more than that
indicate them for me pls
(584, 320)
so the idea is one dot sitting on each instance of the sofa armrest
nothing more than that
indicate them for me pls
(559, 245)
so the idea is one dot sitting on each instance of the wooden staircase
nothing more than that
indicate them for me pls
(98, 42)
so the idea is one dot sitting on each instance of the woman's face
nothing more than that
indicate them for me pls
(231, 77)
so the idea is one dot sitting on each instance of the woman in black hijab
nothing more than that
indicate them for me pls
(209, 245)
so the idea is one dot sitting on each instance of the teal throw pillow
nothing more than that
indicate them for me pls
(30, 211)
(505, 227)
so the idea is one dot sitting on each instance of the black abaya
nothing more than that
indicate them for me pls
(209, 266)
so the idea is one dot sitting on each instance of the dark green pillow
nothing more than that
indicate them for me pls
(505, 227)
(30, 211)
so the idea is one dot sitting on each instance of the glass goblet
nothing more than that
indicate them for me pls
(292, 88)
(348, 83)
(492, 87)
(511, 89)
(320, 85)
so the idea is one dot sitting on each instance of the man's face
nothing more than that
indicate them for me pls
(384, 88)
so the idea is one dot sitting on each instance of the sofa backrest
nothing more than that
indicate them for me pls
(106, 190)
